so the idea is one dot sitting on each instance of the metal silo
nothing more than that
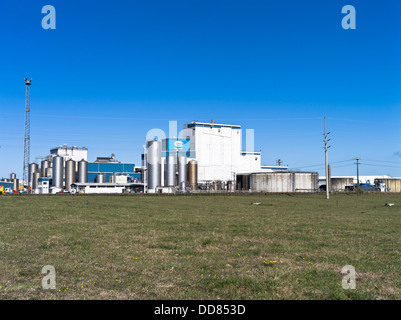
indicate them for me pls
(15, 184)
(33, 167)
(171, 170)
(57, 177)
(83, 171)
(48, 172)
(154, 156)
(43, 166)
(35, 177)
(100, 178)
(182, 172)
(69, 174)
(193, 174)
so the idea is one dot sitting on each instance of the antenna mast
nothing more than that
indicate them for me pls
(27, 134)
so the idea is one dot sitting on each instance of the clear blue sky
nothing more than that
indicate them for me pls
(112, 70)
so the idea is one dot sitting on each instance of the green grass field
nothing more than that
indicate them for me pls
(200, 246)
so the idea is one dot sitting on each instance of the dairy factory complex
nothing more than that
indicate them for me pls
(208, 157)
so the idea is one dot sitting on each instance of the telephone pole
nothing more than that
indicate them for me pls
(326, 161)
(27, 134)
(357, 174)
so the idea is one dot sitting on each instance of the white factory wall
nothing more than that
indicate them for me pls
(71, 153)
(218, 150)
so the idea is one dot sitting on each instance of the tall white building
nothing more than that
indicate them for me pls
(218, 150)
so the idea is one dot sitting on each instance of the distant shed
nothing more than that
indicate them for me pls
(391, 184)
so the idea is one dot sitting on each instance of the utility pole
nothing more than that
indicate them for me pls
(326, 163)
(329, 172)
(27, 134)
(357, 174)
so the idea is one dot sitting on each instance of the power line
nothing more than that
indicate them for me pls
(378, 165)
(322, 164)
(343, 166)
(398, 162)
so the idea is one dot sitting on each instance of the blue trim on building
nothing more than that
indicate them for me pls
(6, 184)
(110, 168)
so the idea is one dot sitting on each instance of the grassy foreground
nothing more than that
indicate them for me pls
(200, 246)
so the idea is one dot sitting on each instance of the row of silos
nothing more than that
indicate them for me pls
(62, 174)
(178, 172)
(69, 171)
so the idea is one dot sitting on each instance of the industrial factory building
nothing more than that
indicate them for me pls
(66, 169)
(217, 148)
(207, 157)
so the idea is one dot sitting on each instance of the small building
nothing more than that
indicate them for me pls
(43, 185)
(340, 184)
(390, 184)
(106, 188)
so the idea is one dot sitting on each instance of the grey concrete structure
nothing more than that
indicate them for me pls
(277, 182)
(340, 184)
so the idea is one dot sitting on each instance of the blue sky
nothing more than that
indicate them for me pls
(111, 71)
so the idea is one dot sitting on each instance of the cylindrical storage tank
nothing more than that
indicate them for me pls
(69, 174)
(171, 170)
(15, 184)
(32, 168)
(182, 172)
(154, 156)
(100, 178)
(83, 171)
(48, 172)
(193, 174)
(35, 177)
(43, 166)
(13, 176)
(57, 177)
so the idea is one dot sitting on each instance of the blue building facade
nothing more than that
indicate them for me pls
(110, 169)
